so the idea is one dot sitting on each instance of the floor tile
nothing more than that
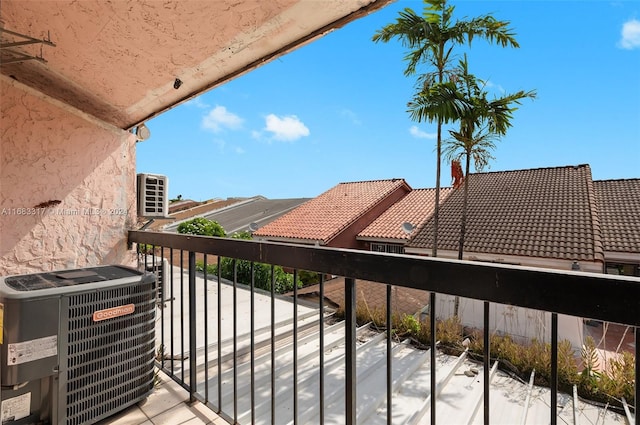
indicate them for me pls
(130, 416)
(164, 397)
(175, 416)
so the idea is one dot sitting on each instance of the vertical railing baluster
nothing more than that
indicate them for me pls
(273, 345)
(432, 346)
(486, 362)
(219, 318)
(193, 384)
(171, 314)
(389, 358)
(161, 304)
(350, 350)
(295, 347)
(637, 397)
(253, 346)
(235, 341)
(182, 316)
(321, 417)
(206, 330)
(554, 368)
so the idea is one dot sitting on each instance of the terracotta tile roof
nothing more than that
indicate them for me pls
(371, 295)
(416, 207)
(544, 212)
(619, 208)
(324, 217)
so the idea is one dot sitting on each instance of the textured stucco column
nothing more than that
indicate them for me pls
(67, 185)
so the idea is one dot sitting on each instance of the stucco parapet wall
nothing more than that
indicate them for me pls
(67, 185)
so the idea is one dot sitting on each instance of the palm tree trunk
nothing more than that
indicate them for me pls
(436, 208)
(463, 224)
(463, 221)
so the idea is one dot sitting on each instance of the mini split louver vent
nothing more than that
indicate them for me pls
(153, 199)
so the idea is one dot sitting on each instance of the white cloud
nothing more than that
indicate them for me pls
(419, 134)
(287, 128)
(352, 116)
(219, 118)
(239, 150)
(256, 134)
(630, 37)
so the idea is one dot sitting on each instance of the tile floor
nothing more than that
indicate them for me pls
(167, 405)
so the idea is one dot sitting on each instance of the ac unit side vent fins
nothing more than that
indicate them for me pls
(109, 363)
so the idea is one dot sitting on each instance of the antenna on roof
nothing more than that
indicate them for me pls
(407, 227)
(253, 227)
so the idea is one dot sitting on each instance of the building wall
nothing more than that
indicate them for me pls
(80, 171)
(522, 324)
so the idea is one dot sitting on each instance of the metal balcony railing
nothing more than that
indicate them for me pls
(192, 344)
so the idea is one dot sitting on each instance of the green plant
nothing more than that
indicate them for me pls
(449, 331)
(567, 367)
(283, 282)
(424, 333)
(589, 377)
(246, 235)
(262, 273)
(618, 380)
(308, 278)
(212, 269)
(409, 325)
(377, 316)
(201, 226)
(145, 248)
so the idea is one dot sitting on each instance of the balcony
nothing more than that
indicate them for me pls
(252, 356)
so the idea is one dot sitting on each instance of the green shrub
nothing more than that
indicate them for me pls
(201, 226)
(409, 325)
(262, 275)
(308, 278)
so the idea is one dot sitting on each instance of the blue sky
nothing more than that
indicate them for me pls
(335, 110)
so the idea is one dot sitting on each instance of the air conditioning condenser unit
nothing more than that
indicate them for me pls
(77, 345)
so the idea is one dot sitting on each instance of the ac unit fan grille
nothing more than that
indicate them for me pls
(110, 362)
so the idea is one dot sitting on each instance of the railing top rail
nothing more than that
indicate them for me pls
(590, 295)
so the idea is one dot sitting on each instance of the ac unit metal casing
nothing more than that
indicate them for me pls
(159, 267)
(77, 346)
(153, 195)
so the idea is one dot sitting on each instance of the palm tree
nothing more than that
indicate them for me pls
(482, 123)
(431, 38)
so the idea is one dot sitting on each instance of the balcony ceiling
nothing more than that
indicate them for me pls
(118, 60)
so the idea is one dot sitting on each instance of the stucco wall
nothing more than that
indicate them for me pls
(48, 153)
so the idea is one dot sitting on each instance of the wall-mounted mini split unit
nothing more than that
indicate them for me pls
(77, 346)
(153, 195)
